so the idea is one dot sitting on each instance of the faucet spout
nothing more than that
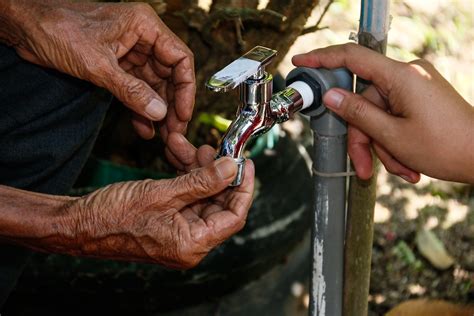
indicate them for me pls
(257, 119)
(253, 120)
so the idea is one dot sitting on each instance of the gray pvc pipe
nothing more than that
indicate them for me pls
(329, 156)
(328, 230)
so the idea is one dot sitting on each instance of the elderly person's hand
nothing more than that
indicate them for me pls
(124, 48)
(172, 222)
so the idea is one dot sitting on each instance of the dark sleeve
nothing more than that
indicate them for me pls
(48, 124)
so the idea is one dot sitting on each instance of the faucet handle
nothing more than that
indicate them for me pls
(252, 64)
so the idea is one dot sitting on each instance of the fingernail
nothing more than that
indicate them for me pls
(333, 98)
(406, 178)
(156, 109)
(226, 168)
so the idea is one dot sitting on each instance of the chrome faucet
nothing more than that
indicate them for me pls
(258, 111)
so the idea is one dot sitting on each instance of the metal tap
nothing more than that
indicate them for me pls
(258, 112)
(259, 109)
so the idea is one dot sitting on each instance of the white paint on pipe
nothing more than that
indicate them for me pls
(319, 282)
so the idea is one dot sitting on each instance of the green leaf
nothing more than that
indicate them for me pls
(214, 120)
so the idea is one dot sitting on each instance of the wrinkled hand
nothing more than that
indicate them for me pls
(412, 116)
(124, 48)
(172, 222)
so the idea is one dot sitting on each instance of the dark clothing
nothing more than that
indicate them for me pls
(48, 124)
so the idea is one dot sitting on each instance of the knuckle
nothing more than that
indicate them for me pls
(405, 67)
(199, 181)
(190, 54)
(132, 91)
(142, 7)
(240, 225)
(98, 68)
(356, 109)
(403, 71)
(419, 67)
(192, 262)
(149, 190)
(422, 62)
(188, 259)
(390, 169)
(349, 48)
